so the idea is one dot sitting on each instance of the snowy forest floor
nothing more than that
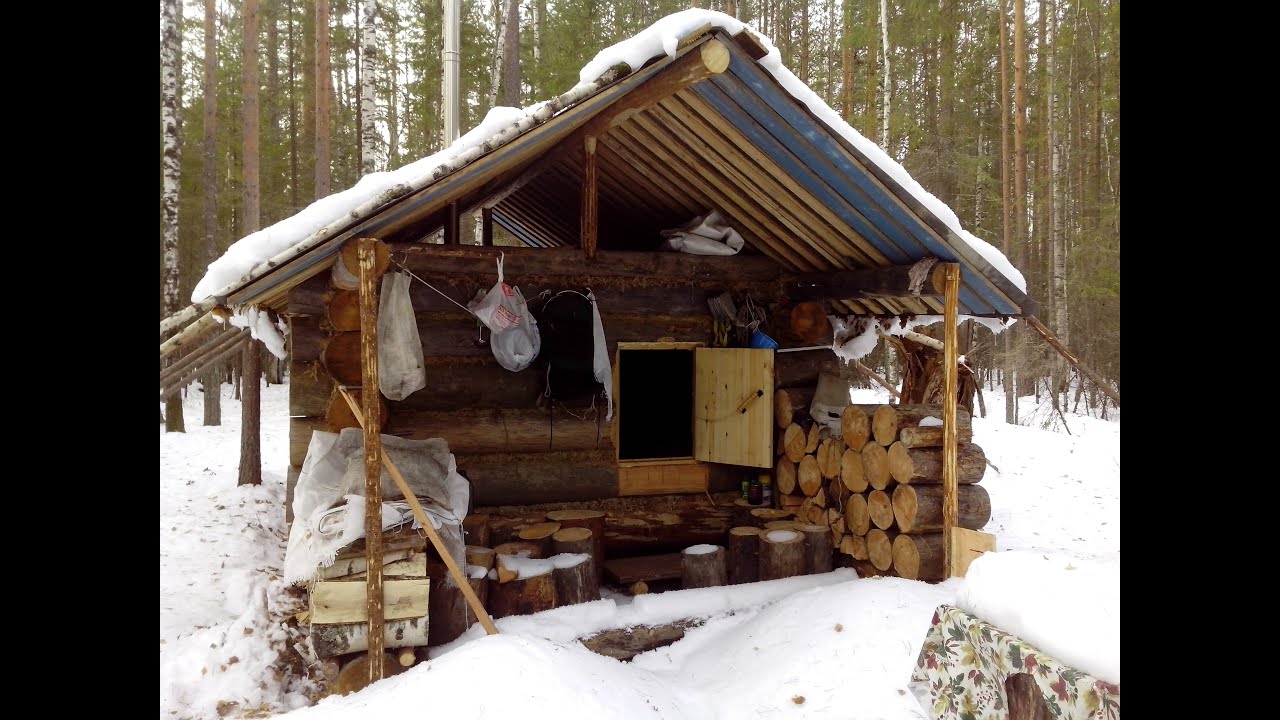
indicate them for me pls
(841, 650)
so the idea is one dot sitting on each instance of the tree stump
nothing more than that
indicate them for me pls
(780, 525)
(593, 520)
(575, 583)
(447, 615)
(540, 533)
(703, 566)
(817, 543)
(782, 554)
(475, 528)
(519, 548)
(760, 516)
(521, 596)
(481, 556)
(744, 555)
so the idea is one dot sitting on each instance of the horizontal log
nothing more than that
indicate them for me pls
(928, 437)
(610, 263)
(616, 295)
(625, 643)
(885, 282)
(306, 339)
(310, 297)
(334, 640)
(919, 557)
(530, 478)
(508, 430)
(339, 602)
(916, 466)
(889, 420)
(918, 508)
(802, 368)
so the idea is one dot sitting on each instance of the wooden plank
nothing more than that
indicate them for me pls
(626, 571)
(733, 406)
(950, 501)
(486, 218)
(965, 546)
(336, 602)
(750, 44)
(346, 568)
(665, 479)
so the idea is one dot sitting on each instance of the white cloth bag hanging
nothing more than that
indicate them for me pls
(401, 370)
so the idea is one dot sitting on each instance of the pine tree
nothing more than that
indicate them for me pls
(211, 382)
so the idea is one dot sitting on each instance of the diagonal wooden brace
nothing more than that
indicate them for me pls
(476, 606)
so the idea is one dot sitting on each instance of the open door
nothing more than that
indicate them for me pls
(733, 406)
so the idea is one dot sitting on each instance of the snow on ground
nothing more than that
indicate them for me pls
(828, 647)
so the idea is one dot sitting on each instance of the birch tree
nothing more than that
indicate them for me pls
(888, 76)
(170, 57)
(511, 55)
(495, 72)
(368, 73)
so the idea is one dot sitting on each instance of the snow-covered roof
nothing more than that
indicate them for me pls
(753, 142)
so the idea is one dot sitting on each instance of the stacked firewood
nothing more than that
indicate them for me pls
(894, 516)
(877, 484)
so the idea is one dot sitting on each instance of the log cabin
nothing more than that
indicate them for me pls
(573, 195)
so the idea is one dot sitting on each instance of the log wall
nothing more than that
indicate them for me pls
(513, 450)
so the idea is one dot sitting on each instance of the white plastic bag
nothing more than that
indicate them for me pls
(515, 340)
(707, 234)
(400, 367)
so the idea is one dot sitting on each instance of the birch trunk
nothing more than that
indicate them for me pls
(888, 82)
(170, 57)
(368, 74)
(251, 216)
(495, 71)
(210, 383)
(539, 9)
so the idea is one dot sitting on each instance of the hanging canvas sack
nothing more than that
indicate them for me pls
(515, 340)
(400, 367)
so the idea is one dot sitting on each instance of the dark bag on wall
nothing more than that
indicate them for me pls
(568, 348)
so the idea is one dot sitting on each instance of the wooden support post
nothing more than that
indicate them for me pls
(589, 199)
(1070, 357)
(429, 529)
(486, 219)
(451, 229)
(951, 295)
(372, 453)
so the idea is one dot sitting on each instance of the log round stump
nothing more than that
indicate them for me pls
(593, 520)
(855, 426)
(540, 534)
(780, 525)
(808, 475)
(761, 515)
(817, 542)
(518, 548)
(857, 517)
(575, 578)
(481, 556)
(703, 566)
(855, 546)
(521, 596)
(880, 548)
(875, 465)
(793, 442)
(744, 555)
(851, 473)
(880, 507)
(782, 554)
(785, 474)
(919, 557)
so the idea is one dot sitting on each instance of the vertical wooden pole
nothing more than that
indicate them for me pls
(451, 229)
(589, 207)
(372, 451)
(486, 217)
(949, 340)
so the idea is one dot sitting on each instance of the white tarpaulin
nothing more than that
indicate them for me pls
(328, 501)
(707, 234)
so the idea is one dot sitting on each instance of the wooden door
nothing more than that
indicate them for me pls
(733, 406)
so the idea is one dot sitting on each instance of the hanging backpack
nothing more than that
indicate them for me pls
(573, 353)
